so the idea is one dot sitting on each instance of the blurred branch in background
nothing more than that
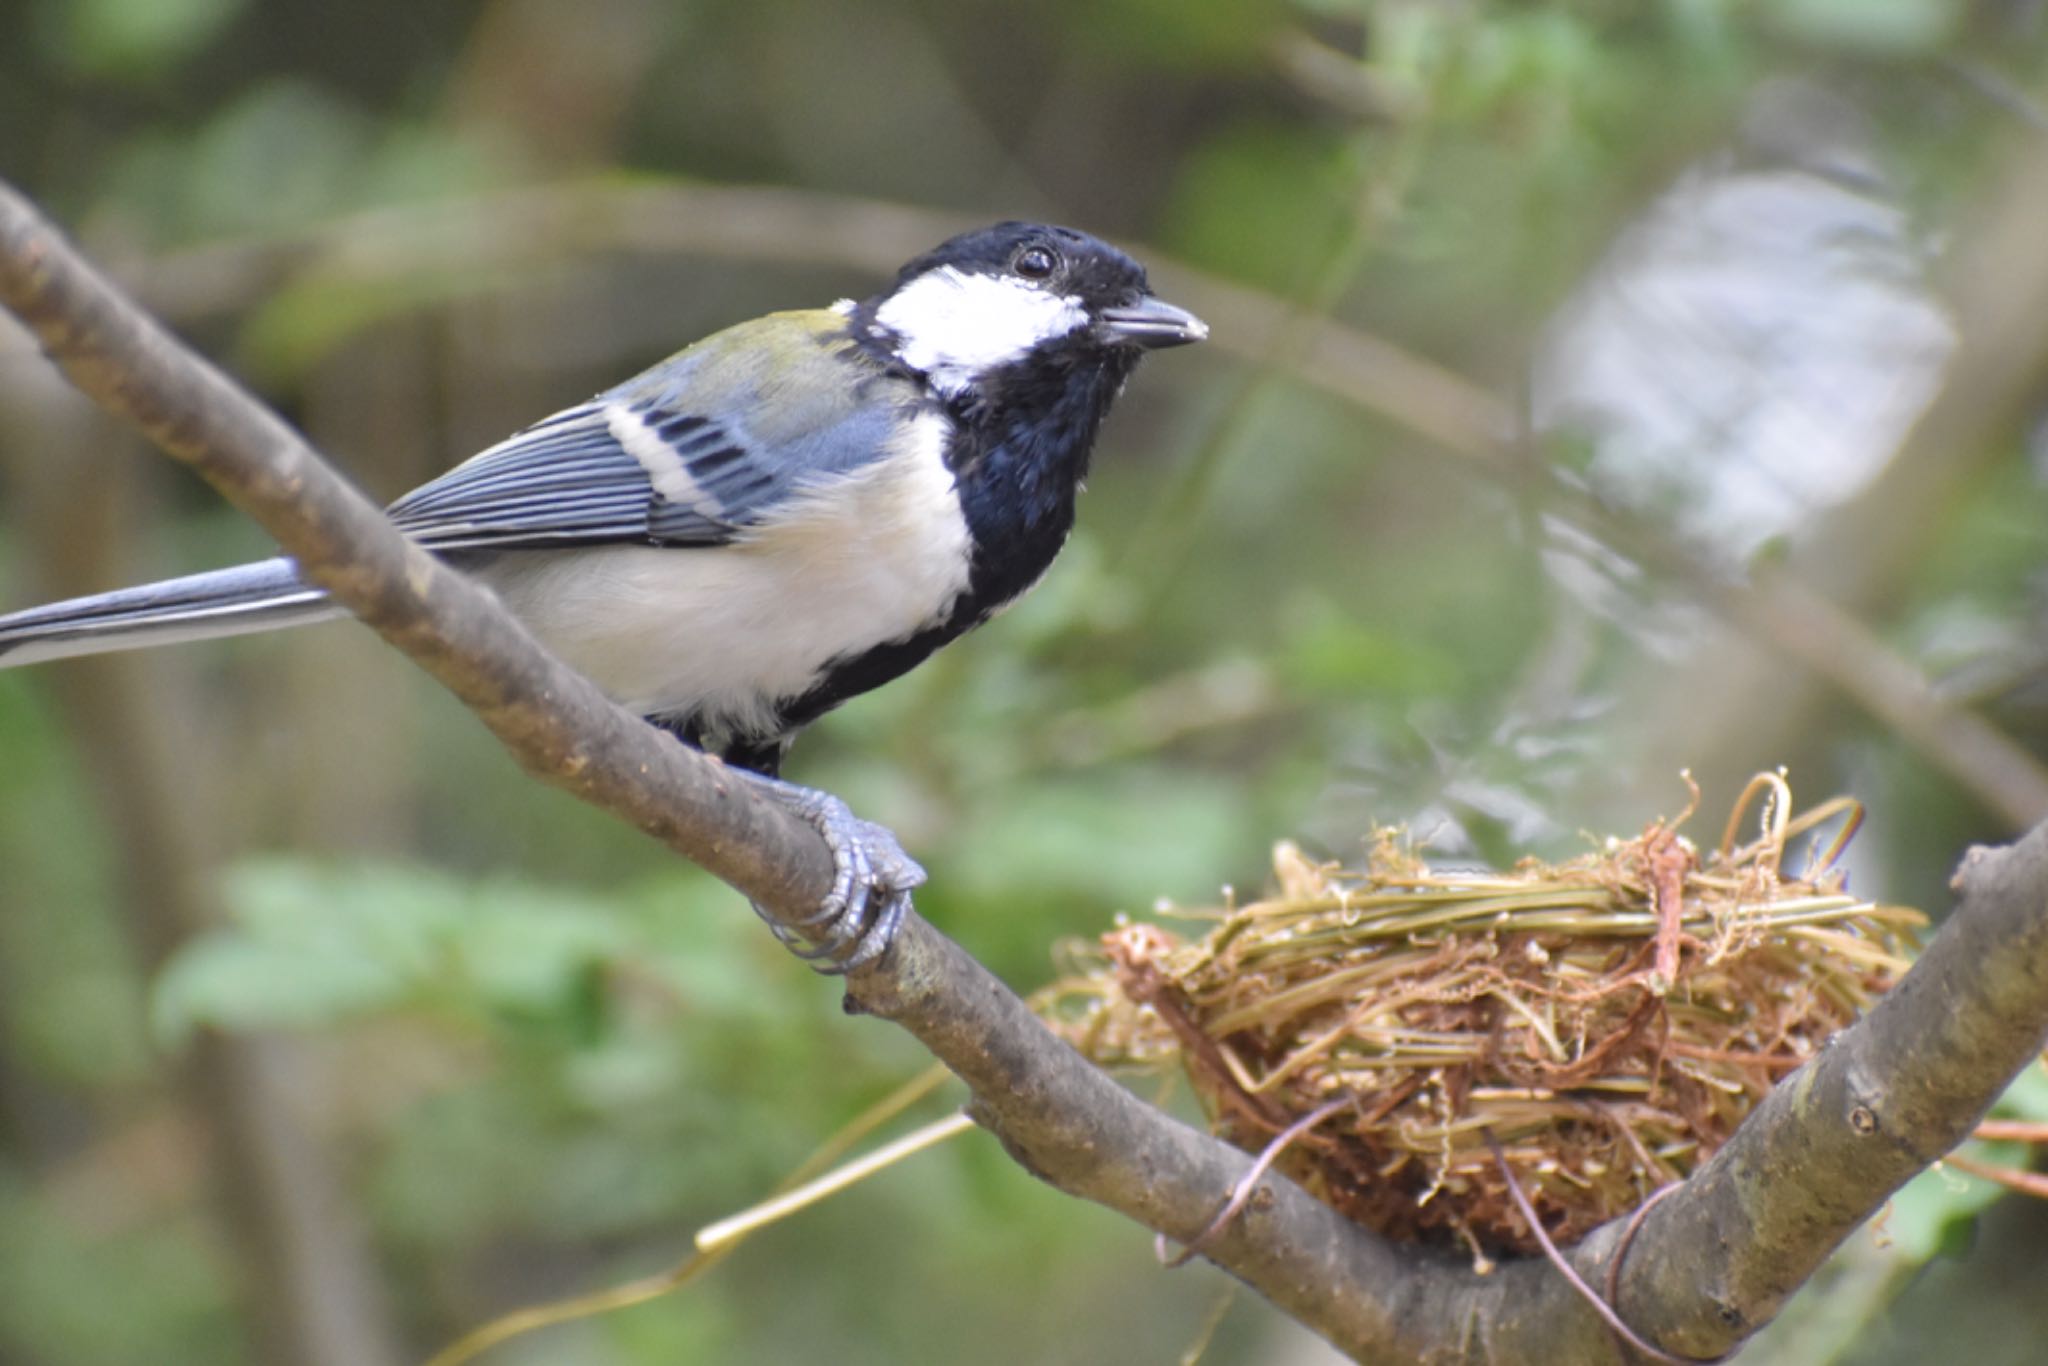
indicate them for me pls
(1860, 560)
(1157, 551)
(309, 1287)
(1339, 79)
(2000, 304)
(516, 87)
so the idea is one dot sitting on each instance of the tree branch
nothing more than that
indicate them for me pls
(563, 731)
(1824, 1150)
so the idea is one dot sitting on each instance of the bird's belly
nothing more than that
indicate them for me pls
(724, 633)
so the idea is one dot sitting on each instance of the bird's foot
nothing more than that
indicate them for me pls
(872, 879)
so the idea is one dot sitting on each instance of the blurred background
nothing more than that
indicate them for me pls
(1598, 390)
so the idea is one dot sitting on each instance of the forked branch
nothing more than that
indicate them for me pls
(1708, 1266)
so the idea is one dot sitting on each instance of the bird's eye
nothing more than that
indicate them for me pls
(1035, 263)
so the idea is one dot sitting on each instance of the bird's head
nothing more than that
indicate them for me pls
(1020, 296)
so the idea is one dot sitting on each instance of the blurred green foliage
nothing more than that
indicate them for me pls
(532, 1051)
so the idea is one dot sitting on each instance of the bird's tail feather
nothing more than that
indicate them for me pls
(225, 602)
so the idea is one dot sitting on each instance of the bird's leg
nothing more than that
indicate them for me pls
(872, 879)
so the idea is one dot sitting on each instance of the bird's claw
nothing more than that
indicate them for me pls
(872, 879)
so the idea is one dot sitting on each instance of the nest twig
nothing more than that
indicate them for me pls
(1610, 1019)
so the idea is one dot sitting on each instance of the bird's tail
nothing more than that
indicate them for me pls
(225, 602)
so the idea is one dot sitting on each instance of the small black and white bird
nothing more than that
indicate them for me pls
(786, 514)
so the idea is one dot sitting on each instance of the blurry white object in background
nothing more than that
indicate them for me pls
(1755, 347)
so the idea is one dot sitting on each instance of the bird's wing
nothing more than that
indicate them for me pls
(691, 453)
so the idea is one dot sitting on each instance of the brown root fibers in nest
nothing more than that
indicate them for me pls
(1609, 1020)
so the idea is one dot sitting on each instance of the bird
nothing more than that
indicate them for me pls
(780, 517)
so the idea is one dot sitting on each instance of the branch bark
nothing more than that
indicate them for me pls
(1710, 1265)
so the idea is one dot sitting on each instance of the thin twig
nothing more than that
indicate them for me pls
(2026, 1183)
(702, 1258)
(1628, 1236)
(612, 1298)
(1199, 1348)
(1570, 1273)
(2012, 1131)
(1246, 1184)
(714, 1236)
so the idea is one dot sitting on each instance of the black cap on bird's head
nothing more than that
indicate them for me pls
(995, 296)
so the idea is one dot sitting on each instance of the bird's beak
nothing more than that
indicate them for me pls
(1153, 323)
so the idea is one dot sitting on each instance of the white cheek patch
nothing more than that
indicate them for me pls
(956, 325)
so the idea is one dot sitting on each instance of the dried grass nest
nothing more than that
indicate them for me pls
(1609, 1021)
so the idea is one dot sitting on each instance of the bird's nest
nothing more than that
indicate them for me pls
(1607, 1021)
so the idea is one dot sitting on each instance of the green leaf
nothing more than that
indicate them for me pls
(1118, 844)
(1192, 34)
(1893, 28)
(1263, 202)
(2027, 1097)
(77, 1290)
(1932, 1209)
(131, 37)
(224, 982)
(311, 944)
(1329, 654)
(280, 156)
